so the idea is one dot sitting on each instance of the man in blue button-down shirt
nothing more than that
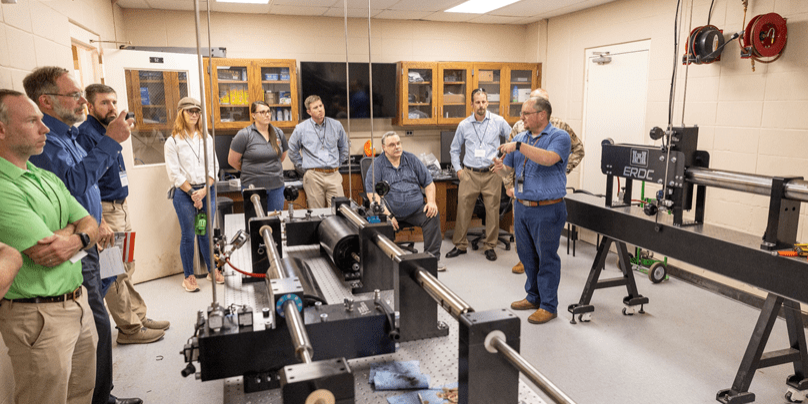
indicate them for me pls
(125, 304)
(480, 134)
(318, 146)
(539, 158)
(62, 102)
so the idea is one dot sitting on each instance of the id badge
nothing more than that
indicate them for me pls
(124, 179)
(480, 153)
(520, 182)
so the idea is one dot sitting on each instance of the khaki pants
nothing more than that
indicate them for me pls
(53, 350)
(125, 304)
(321, 187)
(474, 183)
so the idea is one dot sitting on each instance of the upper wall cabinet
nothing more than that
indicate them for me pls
(416, 85)
(439, 93)
(237, 83)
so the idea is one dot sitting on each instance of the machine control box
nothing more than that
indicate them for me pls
(644, 163)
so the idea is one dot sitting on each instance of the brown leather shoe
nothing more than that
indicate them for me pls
(523, 304)
(518, 269)
(541, 316)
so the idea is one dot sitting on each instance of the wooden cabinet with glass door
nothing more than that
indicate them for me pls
(520, 79)
(454, 92)
(416, 85)
(152, 96)
(488, 76)
(237, 83)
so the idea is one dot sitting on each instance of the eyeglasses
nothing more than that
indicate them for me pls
(76, 96)
(524, 114)
(265, 112)
(193, 111)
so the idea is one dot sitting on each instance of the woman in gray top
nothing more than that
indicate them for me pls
(258, 151)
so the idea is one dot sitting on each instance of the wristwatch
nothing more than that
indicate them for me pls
(85, 240)
(518, 146)
(190, 192)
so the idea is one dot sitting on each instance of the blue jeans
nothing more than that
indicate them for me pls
(91, 272)
(186, 212)
(538, 230)
(275, 199)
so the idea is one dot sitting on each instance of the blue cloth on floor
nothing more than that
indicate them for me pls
(386, 380)
(402, 367)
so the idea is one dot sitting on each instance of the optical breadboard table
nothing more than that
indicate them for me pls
(438, 357)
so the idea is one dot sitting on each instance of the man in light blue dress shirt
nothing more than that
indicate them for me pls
(318, 146)
(480, 134)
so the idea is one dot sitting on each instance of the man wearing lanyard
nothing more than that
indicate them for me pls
(576, 153)
(539, 157)
(480, 134)
(125, 304)
(62, 102)
(318, 146)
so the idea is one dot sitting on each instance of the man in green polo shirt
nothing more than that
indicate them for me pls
(45, 319)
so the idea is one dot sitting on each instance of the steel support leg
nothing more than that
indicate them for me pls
(584, 308)
(755, 358)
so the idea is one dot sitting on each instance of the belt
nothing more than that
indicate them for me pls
(74, 295)
(479, 170)
(118, 201)
(533, 204)
(197, 186)
(324, 170)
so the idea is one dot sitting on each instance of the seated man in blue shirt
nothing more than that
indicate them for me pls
(539, 158)
(407, 175)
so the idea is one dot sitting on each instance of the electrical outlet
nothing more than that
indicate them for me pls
(409, 133)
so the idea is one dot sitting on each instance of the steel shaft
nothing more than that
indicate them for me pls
(547, 387)
(300, 339)
(750, 183)
(445, 297)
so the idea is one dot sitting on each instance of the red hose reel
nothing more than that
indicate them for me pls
(765, 37)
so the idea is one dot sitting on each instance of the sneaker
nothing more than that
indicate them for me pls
(518, 269)
(155, 325)
(190, 284)
(441, 266)
(144, 336)
(220, 279)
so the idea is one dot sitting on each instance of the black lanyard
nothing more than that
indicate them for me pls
(522, 175)
(325, 131)
(196, 154)
(475, 127)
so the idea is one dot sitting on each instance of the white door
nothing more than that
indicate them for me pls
(157, 241)
(614, 105)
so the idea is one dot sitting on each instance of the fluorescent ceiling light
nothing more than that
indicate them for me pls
(244, 1)
(478, 6)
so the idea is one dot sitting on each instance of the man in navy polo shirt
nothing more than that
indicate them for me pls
(125, 304)
(407, 175)
(62, 102)
(539, 157)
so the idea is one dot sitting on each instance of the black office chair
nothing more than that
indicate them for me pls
(478, 234)
(365, 165)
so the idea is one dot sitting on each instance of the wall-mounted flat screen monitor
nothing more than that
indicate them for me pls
(328, 80)
(446, 144)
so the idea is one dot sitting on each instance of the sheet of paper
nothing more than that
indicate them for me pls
(111, 262)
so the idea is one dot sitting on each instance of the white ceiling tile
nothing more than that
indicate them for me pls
(174, 5)
(238, 8)
(425, 5)
(494, 19)
(352, 12)
(375, 4)
(450, 17)
(533, 7)
(307, 3)
(403, 14)
(295, 10)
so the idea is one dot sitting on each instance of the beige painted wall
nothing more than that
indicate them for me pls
(37, 33)
(753, 122)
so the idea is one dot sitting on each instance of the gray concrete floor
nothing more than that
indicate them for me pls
(686, 347)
